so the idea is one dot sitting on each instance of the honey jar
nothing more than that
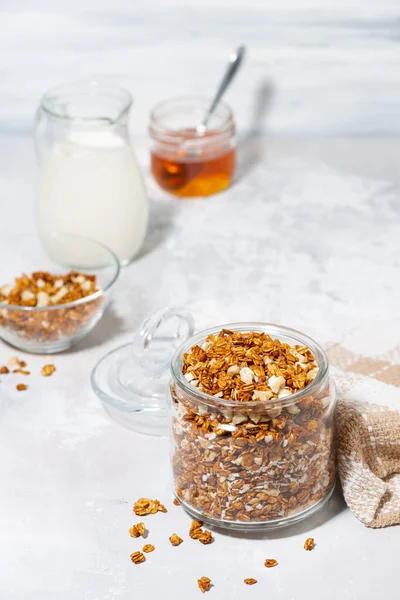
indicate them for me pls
(186, 161)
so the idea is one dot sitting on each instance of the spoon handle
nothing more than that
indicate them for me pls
(235, 61)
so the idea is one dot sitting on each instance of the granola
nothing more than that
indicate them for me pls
(146, 506)
(309, 544)
(137, 557)
(204, 584)
(270, 562)
(148, 548)
(175, 540)
(250, 581)
(249, 453)
(21, 387)
(48, 370)
(137, 530)
(43, 290)
(4, 370)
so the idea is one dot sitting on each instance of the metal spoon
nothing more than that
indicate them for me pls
(235, 61)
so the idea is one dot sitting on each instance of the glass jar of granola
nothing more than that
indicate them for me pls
(252, 426)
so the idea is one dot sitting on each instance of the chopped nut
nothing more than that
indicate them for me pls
(137, 530)
(13, 361)
(204, 584)
(137, 557)
(21, 387)
(250, 581)
(42, 299)
(309, 544)
(4, 370)
(246, 375)
(276, 383)
(270, 562)
(176, 502)
(233, 370)
(175, 539)
(148, 548)
(146, 506)
(48, 370)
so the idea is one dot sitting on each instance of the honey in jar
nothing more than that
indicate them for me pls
(185, 162)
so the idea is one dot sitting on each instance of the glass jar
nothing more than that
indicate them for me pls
(89, 182)
(257, 464)
(186, 162)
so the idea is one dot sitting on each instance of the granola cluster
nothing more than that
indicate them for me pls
(42, 290)
(249, 453)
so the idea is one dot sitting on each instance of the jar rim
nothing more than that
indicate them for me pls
(98, 89)
(259, 327)
(222, 115)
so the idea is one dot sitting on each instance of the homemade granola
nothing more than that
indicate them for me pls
(146, 506)
(137, 530)
(148, 548)
(204, 584)
(21, 387)
(248, 452)
(41, 290)
(4, 370)
(48, 370)
(175, 540)
(270, 562)
(309, 544)
(250, 581)
(137, 557)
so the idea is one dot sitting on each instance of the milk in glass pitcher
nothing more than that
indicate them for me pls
(89, 181)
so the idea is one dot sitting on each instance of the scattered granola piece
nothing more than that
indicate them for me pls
(195, 530)
(146, 506)
(309, 544)
(176, 502)
(48, 370)
(21, 371)
(250, 581)
(206, 537)
(148, 548)
(270, 562)
(4, 370)
(137, 530)
(21, 387)
(22, 364)
(204, 584)
(137, 557)
(175, 539)
(13, 361)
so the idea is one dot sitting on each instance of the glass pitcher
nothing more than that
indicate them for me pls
(89, 181)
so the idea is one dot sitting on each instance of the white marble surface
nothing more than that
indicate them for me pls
(308, 237)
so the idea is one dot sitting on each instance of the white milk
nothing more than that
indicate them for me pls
(90, 184)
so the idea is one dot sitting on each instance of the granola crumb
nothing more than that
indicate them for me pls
(206, 537)
(176, 502)
(4, 370)
(146, 506)
(270, 562)
(137, 530)
(137, 557)
(309, 544)
(204, 584)
(22, 364)
(148, 548)
(250, 581)
(175, 540)
(21, 371)
(48, 370)
(13, 361)
(21, 387)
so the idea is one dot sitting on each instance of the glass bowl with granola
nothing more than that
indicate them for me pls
(252, 441)
(54, 290)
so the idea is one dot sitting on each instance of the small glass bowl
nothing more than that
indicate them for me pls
(54, 328)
